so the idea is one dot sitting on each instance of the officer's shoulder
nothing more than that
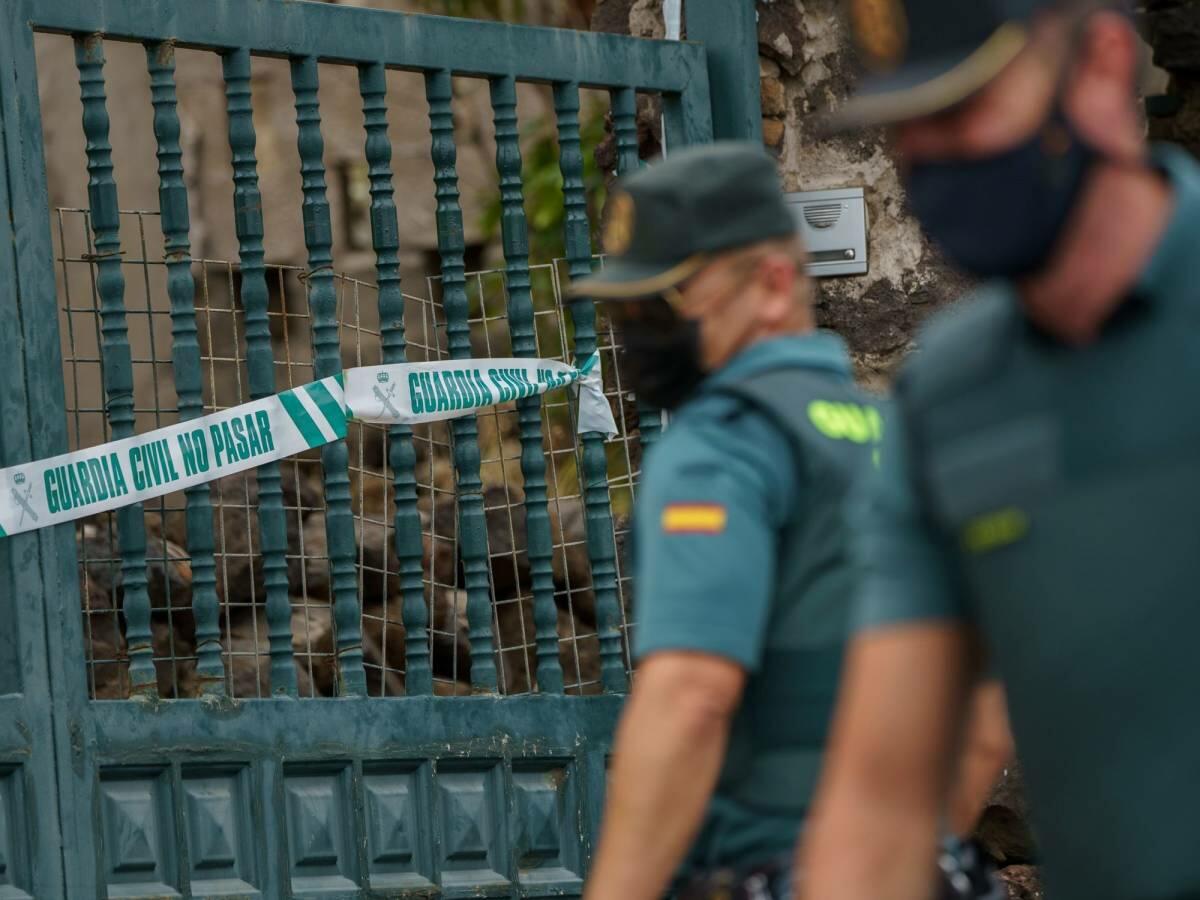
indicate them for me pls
(720, 428)
(726, 417)
(961, 346)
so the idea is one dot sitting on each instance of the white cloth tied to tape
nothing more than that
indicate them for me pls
(131, 470)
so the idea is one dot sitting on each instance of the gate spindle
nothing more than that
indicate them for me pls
(515, 237)
(185, 357)
(594, 471)
(472, 525)
(260, 363)
(624, 113)
(372, 80)
(339, 517)
(118, 363)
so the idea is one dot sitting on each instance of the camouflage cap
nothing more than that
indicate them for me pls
(667, 220)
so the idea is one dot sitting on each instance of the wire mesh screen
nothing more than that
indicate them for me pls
(240, 586)
(503, 493)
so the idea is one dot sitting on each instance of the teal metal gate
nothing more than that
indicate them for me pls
(282, 795)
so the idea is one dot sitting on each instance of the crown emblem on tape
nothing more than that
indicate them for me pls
(618, 232)
(383, 377)
(19, 478)
(881, 29)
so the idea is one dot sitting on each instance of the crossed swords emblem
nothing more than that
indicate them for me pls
(23, 499)
(386, 399)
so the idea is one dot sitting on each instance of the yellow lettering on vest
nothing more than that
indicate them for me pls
(994, 530)
(853, 422)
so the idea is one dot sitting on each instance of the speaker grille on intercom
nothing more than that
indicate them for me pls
(823, 215)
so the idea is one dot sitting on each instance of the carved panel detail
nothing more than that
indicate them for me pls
(395, 855)
(473, 845)
(219, 830)
(138, 836)
(457, 826)
(545, 809)
(318, 823)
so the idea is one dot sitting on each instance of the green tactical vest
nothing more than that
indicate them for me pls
(1066, 482)
(779, 733)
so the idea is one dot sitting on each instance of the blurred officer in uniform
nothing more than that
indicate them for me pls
(742, 584)
(1040, 481)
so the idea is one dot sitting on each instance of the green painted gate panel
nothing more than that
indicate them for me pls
(386, 796)
(185, 355)
(419, 795)
(515, 237)
(248, 224)
(35, 567)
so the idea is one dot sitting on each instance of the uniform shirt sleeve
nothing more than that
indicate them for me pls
(705, 536)
(904, 568)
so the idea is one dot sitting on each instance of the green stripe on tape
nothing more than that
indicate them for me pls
(302, 420)
(330, 408)
(3, 533)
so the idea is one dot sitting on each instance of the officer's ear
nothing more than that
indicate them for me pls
(778, 274)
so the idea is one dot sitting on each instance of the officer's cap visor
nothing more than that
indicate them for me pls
(927, 87)
(625, 279)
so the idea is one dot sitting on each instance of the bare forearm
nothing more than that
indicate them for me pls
(878, 812)
(872, 856)
(665, 766)
(890, 856)
(987, 751)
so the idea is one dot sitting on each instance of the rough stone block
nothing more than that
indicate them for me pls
(1023, 882)
(773, 131)
(611, 16)
(781, 35)
(1175, 35)
(767, 68)
(1004, 827)
(774, 100)
(646, 19)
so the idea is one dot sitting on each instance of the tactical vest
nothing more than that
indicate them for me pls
(1066, 483)
(779, 733)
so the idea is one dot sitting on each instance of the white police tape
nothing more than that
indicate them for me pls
(429, 392)
(134, 469)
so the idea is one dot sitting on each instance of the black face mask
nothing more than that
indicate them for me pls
(661, 355)
(1002, 216)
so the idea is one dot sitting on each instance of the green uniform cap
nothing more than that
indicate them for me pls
(925, 56)
(666, 221)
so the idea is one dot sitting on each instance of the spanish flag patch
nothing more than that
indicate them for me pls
(693, 518)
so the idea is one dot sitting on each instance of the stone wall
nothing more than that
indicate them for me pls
(806, 66)
(1173, 29)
